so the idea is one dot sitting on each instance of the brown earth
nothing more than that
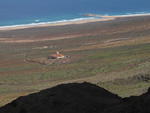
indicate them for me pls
(80, 41)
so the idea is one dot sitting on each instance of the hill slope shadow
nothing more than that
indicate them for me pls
(77, 98)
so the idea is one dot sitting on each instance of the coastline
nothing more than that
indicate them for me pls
(47, 24)
(94, 18)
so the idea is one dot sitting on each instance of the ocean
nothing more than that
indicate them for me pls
(22, 12)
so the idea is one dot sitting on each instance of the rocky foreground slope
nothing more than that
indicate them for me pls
(78, 98)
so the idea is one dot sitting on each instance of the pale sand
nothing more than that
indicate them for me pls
(29, 40)
(102, 18)
(117, 16)
(54, 24)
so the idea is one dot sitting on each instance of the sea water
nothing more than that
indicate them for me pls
(20, 12)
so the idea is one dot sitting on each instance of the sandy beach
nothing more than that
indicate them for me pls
(98, 18)
(66, 30)
(54, 24)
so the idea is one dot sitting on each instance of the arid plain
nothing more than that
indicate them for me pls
(113, 54)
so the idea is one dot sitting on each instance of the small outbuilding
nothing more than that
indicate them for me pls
(56, 56)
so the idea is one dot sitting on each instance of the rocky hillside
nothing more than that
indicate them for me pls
(78, 98)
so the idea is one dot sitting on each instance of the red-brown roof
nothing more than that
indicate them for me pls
(57, 55)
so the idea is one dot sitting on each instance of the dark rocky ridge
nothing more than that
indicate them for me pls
(78, 98)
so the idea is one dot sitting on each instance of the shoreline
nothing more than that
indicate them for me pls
(47, 24)
(94, 18)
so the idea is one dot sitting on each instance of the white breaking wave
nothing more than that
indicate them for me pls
(51, 22)
(37, 21)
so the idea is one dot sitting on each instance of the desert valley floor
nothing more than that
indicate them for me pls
(112, 54)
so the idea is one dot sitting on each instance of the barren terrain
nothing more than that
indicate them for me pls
(100, 53)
